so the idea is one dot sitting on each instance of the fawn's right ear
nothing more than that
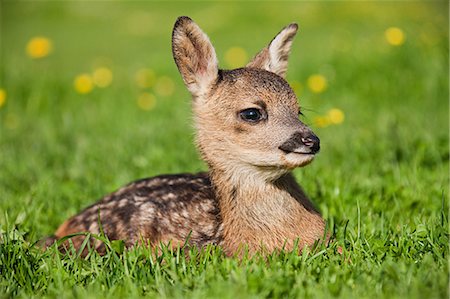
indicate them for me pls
(194, 55)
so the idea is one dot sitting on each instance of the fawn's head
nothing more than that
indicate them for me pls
(246, 118)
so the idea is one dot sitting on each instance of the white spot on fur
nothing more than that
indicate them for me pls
(123, 203)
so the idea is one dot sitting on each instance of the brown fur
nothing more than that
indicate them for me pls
(248, 197)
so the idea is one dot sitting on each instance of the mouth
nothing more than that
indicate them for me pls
(293, 159)
(297, 152)
(301, 153)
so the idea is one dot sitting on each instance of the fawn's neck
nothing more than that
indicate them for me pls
(265, 215)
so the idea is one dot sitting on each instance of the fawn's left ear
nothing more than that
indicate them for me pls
(194, 55)
(274, 57)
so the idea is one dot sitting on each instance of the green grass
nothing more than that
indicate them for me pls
(381, 179)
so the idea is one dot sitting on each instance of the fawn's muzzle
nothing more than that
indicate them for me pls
(301, 143)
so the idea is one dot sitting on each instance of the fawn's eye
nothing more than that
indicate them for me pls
(252, 115)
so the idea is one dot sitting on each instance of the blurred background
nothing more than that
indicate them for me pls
(91, 99)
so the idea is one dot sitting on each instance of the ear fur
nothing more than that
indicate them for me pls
(194, 55)
(274, 57)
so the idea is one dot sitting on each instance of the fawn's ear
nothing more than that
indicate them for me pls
(194, 55)
(274, 57)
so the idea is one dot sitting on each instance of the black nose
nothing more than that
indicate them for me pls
(313, 142)
(301, 143)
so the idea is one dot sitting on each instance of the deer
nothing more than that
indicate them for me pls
(249, 134)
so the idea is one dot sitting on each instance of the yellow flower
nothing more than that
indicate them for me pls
(145, 78)
(394, 36)
(321, 121)
(102, 77)
(39, 47)
(146, 101)
(317, 83)
(335, 116)
(236, 57)
(83, 83)
(164, 86)
(2, 97)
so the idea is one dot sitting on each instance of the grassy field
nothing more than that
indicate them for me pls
(373, 81)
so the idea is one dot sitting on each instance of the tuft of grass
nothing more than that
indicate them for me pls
(380, 181)
(390, 264)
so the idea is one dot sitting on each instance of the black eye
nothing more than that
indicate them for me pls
(252, 115)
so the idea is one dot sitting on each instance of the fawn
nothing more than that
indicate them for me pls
(250, 135)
